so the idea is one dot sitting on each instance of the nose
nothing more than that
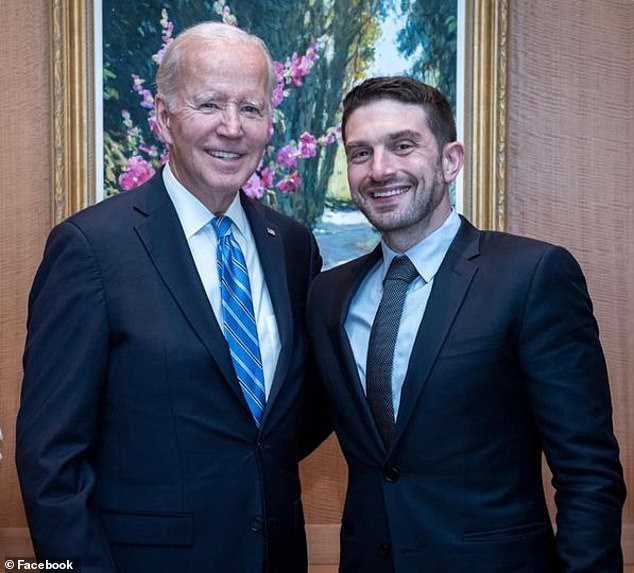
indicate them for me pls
(231, 122)
(381, 166)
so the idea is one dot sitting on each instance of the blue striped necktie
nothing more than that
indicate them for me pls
(238, 317)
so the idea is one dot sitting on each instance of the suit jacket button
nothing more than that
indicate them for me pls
(255, 524)
(384, 550)
(391, 475)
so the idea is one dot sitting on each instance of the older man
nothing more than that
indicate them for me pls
(165, 363)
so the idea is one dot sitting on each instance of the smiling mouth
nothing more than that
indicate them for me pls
(225, 155)
(384, 193)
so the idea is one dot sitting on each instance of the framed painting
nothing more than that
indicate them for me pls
(479, 96)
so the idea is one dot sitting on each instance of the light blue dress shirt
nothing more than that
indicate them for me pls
(427, 256)
(196, 219)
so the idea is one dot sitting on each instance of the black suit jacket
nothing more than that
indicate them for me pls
(506, 365)
(136, 450)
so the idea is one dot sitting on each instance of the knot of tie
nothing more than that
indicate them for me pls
(401, 269)
(222, 226)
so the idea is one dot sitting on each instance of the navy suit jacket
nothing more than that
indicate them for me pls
(506, 365)
(136, 450)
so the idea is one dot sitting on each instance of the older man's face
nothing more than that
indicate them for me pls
(219, 127)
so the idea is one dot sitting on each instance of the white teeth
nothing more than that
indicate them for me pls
(389, 192)
(224, 155)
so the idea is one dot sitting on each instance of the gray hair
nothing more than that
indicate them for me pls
(167, 75)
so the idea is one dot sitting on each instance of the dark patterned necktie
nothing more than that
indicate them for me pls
(238, 317)
(383, 341)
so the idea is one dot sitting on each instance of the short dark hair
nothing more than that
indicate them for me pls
(404, 89)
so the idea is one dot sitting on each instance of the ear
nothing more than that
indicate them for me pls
(452, 160)
(162, 117)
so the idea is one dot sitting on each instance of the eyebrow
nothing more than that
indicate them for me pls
(204, 97)
(403, 134)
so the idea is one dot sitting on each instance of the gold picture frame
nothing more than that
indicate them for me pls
(485, 107)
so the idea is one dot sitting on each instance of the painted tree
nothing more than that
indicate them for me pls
(430, 38)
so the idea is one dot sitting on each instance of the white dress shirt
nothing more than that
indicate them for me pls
(427, 256)
(196, 219)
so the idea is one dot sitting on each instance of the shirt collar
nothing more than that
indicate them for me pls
(427, 255)
(192, 214)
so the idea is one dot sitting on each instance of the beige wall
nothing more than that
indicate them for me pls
(25, 186)
(570, 172)
(571, 167)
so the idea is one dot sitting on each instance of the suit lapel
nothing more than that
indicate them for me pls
(162, 235)
(347, 285)
(448, 292)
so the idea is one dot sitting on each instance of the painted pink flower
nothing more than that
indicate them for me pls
(138, 171)
(267, 176)
(290, 183)
(166, 36)
(307, 145)
(151, 150)
(313, 50)
(300, 67)
(147, 99)
(331, 136)
(279, 71)
(287, 156)
(278, 92)
(154, 127)
(278, 95)
(254, 187)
